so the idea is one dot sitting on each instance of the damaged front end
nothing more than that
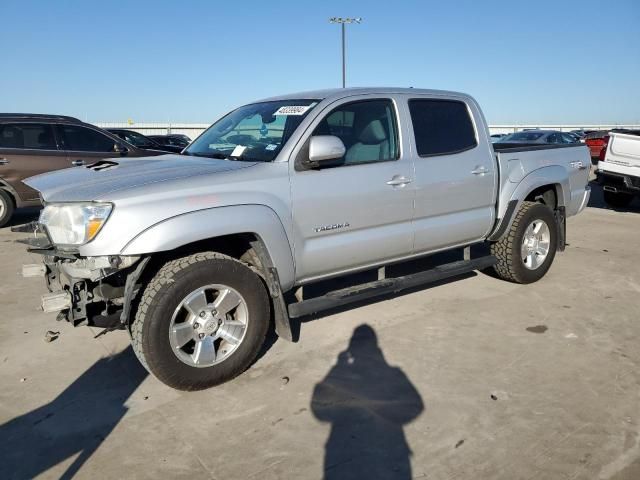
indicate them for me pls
(94, 291)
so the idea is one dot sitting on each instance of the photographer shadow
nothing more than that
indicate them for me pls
(367, 402)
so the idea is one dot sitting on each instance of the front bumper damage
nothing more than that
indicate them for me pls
(95, 291)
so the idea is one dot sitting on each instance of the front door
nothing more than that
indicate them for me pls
(356, 211)
(85, 145)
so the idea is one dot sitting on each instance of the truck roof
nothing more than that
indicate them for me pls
(337, 93)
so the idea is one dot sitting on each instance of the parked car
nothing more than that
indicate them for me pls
(180, 136)
(575, 138)
(538, 137)
(619, 168)
(496, 137)
(581, 133)
(141, 141)
(35, 143)
(195, 255)
(177, 142)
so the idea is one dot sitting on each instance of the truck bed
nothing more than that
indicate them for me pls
(563, 163)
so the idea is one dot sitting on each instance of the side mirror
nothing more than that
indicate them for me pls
(122, 150)
(325, 147)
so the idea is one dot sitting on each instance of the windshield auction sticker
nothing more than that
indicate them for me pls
(292, 110)
(238, 151)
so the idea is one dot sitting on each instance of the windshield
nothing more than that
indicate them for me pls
(255, 132)
(522, 137)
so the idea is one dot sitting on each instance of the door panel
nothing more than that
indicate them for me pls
(453, 205)
(349, 217)
(23, 164)
(359, 212)
(455, 175)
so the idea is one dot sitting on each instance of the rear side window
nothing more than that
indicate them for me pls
(83, 139)
(34, 136)
(441, 127)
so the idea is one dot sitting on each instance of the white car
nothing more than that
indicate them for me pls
(619, 172)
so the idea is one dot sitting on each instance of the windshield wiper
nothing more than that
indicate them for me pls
(220, 156)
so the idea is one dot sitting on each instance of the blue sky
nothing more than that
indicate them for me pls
(191, 61)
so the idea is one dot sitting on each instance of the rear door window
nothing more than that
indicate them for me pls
(31, 136)
(82, 139)
(441, 127)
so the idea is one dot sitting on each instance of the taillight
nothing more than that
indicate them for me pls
(603, 152)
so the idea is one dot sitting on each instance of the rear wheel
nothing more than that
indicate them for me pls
(617, 199)
(6, 207)
(201, 321)
(526, 252)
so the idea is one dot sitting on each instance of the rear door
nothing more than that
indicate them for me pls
(84, 145)
(456, 177)
(28, 149)
(356, 211)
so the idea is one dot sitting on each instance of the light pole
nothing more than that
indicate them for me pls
(342, 22)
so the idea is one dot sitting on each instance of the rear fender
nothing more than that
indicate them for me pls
(554, 175)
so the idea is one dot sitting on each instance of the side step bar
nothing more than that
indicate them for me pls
(385, 286)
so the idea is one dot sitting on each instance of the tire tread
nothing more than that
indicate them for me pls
(167, 274)
(506, 250)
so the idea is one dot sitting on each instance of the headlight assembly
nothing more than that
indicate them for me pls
(74, 223)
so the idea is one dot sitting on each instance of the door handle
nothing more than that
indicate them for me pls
(480, 170)
(77, 163)
(4, 161)
(399, 181)
(578, 165)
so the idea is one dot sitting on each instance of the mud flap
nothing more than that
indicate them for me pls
(280, 311)
(561, 223)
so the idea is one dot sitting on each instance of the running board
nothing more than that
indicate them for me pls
(385, 286)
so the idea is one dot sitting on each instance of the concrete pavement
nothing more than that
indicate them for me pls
(476, 378)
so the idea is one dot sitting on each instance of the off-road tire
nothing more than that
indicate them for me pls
(510, 266)
(173, 281)
(6, 207)
(617, 199)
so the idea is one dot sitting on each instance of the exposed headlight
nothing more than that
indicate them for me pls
(74, 223)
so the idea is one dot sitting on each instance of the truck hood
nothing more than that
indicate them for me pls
(97, 181)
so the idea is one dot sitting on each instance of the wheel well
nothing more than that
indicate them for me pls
(546, 195)
(237, 245)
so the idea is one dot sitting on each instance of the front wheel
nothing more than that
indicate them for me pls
(201, 321)
(526, 252)
(6, 207)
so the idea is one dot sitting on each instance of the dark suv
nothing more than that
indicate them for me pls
(31, 144)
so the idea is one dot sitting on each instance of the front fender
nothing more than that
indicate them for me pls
(511, 199)
(191, 227)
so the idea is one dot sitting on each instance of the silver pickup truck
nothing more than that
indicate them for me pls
(196, 254)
